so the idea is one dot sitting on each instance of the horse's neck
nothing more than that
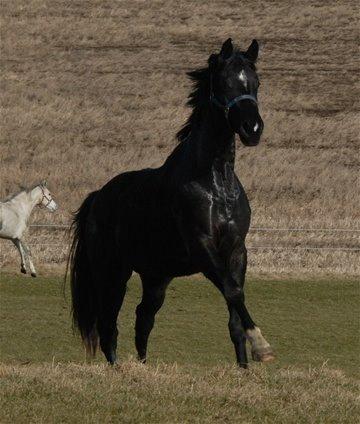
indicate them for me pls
(26, 201)
(213, 144)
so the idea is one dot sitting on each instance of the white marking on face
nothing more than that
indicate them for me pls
(52, 206)
(242, 77)
(256, 126)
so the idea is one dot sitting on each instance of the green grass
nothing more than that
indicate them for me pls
(307, 323)
(191, 376)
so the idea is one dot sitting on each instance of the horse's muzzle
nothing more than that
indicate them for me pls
(250, 132)
(52, 206)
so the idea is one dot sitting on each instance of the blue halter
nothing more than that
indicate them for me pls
(226, 107)
(232, 102)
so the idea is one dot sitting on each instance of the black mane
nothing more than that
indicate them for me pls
(197, 99)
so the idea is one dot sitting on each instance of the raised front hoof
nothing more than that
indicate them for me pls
(33, 274)
(23, 270)
(263, 355)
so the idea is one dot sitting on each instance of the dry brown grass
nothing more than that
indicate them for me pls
(133, 393)
(93, 89)
(51, 248)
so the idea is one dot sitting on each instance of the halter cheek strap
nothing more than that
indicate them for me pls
(44, 197)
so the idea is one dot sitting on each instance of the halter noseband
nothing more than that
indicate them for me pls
(232, 102)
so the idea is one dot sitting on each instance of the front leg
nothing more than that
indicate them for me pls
(260, 348)
(232, 289)
(238, 337)
(28, 253)
(215, 267)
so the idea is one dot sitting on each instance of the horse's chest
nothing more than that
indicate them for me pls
(222, 206)
(219, 205)
(223, 218)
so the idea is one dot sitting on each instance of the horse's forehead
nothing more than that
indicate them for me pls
(238, 60)
(239, 69)
(238, 64)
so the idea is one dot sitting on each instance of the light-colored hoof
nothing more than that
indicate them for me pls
(263, 355)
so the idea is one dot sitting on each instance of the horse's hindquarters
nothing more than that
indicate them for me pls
(11, 224)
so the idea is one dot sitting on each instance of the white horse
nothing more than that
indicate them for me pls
(15, 212)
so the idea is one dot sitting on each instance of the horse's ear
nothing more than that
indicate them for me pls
(252, 51)
(226, 49)
(43, 183)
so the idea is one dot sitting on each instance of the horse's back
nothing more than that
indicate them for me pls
(128, 202)
(123, 191)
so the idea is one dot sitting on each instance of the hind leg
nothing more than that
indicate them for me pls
(111, 298)
(152, 300)
(22, 254)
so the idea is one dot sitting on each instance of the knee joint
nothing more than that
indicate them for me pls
(234, 295)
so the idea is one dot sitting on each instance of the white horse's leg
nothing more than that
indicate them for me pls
(28, 253)
(22, 254)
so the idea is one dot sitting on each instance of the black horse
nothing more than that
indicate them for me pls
(190, 215)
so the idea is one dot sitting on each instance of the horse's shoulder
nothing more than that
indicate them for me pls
(192, 195)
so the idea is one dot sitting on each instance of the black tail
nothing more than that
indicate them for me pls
(83, 290)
